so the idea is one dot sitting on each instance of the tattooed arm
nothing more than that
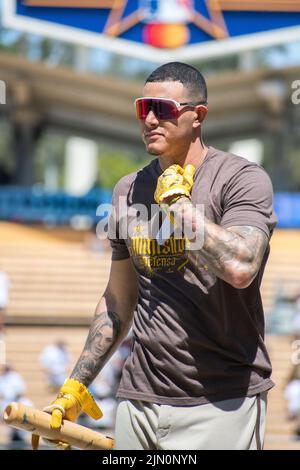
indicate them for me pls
(233, 254)
(111, 322)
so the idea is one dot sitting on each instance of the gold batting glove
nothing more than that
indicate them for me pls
(174, 181)
(73, 398)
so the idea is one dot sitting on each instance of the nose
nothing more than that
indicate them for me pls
(151, 119)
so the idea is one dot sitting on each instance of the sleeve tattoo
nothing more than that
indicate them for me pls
(103, 334)
(233, 254)
(238, 251)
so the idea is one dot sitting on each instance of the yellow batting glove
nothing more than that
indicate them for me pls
(175, 181)
(73, 398)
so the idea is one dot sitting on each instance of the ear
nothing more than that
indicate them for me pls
(202, 112)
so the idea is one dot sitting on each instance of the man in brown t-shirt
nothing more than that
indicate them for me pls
(198, 372)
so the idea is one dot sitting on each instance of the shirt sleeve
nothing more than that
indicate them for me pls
(248, 200)
(117, 243)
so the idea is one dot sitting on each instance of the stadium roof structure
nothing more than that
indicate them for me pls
(241, 104)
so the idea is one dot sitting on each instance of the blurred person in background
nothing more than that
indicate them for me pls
(198, 372)
(12, 385)
(55, 361)
(292, 392)
(13, 388)
(292, 395)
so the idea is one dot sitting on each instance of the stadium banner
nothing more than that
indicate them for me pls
(160, 30)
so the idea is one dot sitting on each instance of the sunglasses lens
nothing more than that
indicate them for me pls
(143, 107)
(163, 109)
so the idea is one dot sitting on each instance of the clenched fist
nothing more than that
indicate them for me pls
(174, 181)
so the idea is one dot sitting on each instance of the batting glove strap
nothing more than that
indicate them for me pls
(81, 393)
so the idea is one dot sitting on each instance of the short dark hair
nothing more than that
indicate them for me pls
(190, 77)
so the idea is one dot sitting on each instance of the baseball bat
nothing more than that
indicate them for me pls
(38, 422)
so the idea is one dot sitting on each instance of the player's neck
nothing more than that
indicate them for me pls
(194, 156)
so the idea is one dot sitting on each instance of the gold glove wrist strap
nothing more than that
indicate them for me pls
(81, 393)
(176, 198)
(178, 190)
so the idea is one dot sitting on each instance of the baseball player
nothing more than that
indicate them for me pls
(198, 373)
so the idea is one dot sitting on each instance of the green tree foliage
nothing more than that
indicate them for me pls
(114, 164)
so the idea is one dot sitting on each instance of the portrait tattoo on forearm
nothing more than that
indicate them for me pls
(103, 333)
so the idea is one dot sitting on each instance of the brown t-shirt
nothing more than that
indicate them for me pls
(196, 339)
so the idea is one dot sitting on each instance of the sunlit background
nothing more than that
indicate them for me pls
(67, 134)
